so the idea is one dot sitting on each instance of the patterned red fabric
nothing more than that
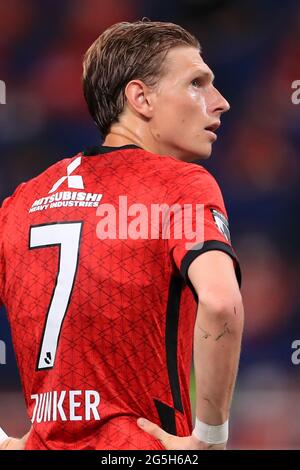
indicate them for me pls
(91, 319)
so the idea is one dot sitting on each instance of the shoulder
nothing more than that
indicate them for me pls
(196, 174)
(180, 173)
(44, 180)
(10, 199)
(193, 179)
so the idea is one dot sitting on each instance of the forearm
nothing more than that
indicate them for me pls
(217, 343)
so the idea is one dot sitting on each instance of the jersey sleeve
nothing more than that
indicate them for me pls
(198, 220)
(1, 253)
(4, 212)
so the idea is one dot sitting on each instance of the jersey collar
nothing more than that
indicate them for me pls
(100, 149)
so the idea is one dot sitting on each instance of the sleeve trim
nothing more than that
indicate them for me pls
(210, 245)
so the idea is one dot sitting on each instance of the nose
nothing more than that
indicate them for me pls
(219, 104)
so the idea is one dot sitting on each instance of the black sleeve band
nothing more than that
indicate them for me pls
(210, 246)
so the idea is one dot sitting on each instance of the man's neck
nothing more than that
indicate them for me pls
(119, 139)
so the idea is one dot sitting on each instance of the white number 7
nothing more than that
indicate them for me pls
(66, 236)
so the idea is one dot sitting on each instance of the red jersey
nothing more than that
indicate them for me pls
(100, 307)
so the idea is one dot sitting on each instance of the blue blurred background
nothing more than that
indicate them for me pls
(254, 48)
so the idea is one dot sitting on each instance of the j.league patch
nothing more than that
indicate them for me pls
(222, 223)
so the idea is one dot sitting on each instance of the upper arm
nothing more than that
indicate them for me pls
(5, 209)
(204, 229)
(213, 277)
(1, 256)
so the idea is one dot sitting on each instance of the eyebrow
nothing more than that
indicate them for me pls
(205, 75)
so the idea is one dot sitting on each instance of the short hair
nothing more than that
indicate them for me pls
(124, 52)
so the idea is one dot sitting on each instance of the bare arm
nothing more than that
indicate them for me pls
(217, 343)
(217, 335)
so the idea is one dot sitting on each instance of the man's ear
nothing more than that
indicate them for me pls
(139, 98)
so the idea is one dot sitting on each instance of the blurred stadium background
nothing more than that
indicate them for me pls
(254, 48)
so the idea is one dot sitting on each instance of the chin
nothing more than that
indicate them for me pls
(205, 157)
(205, 152)
(190, 154)
(202, 153)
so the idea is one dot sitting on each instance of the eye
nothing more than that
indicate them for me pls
(196, 83)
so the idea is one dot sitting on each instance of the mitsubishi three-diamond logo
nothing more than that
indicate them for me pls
(62, 197)
(74, 181)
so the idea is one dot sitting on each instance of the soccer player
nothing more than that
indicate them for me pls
(107, 302)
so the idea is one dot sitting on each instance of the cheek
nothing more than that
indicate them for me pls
(197, 101)
(170, 112)
(180, 113)
(190, 106)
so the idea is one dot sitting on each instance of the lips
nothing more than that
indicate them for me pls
(213, 126)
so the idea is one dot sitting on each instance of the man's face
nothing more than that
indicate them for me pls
(187, 106)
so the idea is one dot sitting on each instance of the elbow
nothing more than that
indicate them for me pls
(224, 309)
